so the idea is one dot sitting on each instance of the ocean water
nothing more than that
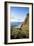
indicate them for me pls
(16, 24)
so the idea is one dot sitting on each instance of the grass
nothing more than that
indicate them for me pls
(22, 32)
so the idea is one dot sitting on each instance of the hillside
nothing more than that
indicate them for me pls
(22, 32)
(25, 25)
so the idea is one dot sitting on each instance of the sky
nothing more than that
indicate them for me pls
(18, 14)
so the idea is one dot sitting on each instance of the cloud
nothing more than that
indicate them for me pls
(15, 19)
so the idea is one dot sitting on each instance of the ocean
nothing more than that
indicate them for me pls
(16, 24)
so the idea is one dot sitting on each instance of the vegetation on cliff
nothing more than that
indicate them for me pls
(23, 31)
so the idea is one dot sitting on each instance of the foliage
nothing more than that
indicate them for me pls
(23, 32)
